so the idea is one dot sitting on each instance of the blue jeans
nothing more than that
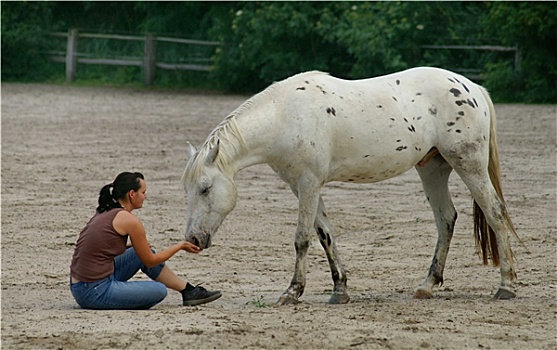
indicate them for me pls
(115, 292)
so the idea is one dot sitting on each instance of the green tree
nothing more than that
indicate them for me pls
(532, 27)
(24, 25)
(268, 41)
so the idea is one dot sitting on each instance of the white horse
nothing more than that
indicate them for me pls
(313, 128)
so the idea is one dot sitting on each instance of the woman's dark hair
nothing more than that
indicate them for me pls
(124, 182)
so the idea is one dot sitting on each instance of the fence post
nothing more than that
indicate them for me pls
(517, 60)
(71, 55)
(149, 59)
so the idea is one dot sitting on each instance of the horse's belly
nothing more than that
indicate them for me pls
(370, 169)
(377, 154)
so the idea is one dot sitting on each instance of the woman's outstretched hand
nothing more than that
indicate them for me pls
(190, 247)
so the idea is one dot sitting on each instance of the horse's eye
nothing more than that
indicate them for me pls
(204, 191)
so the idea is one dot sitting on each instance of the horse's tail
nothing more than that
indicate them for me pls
(486, 241)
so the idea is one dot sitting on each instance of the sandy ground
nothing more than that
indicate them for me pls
(61, 144)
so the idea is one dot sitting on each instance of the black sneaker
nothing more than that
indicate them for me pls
(199, 295)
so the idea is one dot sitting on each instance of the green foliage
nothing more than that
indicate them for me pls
(258, 302)
(262, 42)
(269, 41)
(24, 42)
(532, 27)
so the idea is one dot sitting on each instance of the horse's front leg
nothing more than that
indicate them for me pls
(308, 198)
(327, 240)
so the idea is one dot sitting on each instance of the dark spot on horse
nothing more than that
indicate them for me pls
(411, 128)
(418, 94)
(301, 88)
(458, 81)
(398, 140)
(394, 98)
(457, 118)
(433, 110)
(417, 149)
(398, 82)
(307, 82)
(461, 113)
(449, 130)
(412, 101)
(379, 106)
(470, 103)
(367, 155)
(458, 131)
(405, 120)
(331, 110)
(393, 119)
(350, 180)
(455, 92)
(485, 114)
(300, 247)
(322, 234)
(452, 81)
(485, 139)
(400, 148)
(419, 118)
(458, 103)
(450, 124)
(476, 103)
(465, 88)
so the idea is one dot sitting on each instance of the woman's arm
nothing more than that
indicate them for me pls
(127, 223)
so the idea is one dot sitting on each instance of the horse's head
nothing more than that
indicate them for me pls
(211, 196)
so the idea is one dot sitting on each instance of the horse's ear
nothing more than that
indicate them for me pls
(213, 154)
(191, 150)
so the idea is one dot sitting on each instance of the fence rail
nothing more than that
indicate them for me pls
(148, 61)
(475, 73)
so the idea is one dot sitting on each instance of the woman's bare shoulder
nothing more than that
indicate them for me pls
(125, 221)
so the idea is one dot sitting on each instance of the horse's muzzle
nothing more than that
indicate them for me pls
(202, 240)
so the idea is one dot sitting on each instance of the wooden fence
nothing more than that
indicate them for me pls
(148, 61)
(71, 57)
(475, 73)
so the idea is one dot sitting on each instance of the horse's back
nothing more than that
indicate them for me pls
(371, 129)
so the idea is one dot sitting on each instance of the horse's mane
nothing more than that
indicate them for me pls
(225, 134)
(228, 135)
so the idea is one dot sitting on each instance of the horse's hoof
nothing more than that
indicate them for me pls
(339, 298)
(423, 294)
(287, 300)
(504, 294)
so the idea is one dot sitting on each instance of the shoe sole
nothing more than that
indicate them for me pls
(202, 301)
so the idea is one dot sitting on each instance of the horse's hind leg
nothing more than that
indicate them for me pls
(325, 234)
(495, 211)
(435, 177)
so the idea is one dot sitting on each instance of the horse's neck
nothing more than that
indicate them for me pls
(256, 129)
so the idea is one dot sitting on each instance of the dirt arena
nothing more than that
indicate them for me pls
(61, 144)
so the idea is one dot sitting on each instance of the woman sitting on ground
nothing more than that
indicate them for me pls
(102, 262)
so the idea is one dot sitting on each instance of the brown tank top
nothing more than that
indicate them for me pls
(97, 246)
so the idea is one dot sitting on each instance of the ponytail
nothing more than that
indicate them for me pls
(111, 193)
